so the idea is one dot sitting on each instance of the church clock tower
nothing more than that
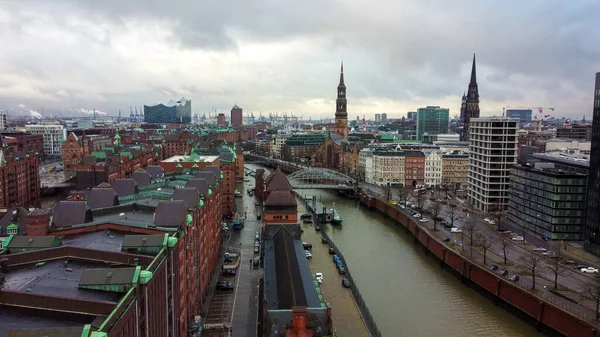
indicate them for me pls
(341, 112)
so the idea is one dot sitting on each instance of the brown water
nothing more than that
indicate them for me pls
(407, 292)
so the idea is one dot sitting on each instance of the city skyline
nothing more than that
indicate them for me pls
(285, 57)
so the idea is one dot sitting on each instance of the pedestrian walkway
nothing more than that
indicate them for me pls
(346, 317)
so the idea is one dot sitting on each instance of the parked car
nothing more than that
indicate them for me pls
(308, 254)
(307, 246)
(501, 229)
(455, 230)
(256, 261)
(341, 270)
(423, 220)
(228, 272)
(506, 233)
(539, 249)
(503, 272)
(493, 267)
(224, 287)
(446, 225)
(258, 216)
(256, 250)
(318, 228)
(518, 239)
(324, 240)
(514, 278)
(446, 239)
(417, 215)
(319, 277)
(590, 270)
(492, 222)
(580, 266)
(331, 250)
(545, 238)
(570, 262)
(345, 283)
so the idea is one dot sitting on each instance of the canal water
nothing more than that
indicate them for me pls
(407, 292)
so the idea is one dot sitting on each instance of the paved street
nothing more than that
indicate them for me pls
(246, 302)
(572, 279)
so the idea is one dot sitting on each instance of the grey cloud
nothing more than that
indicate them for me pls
(397, 51)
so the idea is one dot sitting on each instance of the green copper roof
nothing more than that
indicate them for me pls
(12, 226)
(178, 166)
(221, 175)
(145, 276)
(201, 203)
(209, 191)
(195, 165)
(172, 242)
(189, 219)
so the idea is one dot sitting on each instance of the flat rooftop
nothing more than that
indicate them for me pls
(12, 318)
(191, 159)
(57, 279)
(108, 241)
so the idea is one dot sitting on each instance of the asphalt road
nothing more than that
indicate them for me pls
(517, 253)
(245, 311)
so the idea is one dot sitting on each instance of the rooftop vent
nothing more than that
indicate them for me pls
(109, 274)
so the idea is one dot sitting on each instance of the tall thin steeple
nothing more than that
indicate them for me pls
(471, 106)
(341, 112)
(473, 72)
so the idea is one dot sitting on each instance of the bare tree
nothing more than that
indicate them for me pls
(557, 269)
(533, 263)
(593, 290)
(470, 227)
(453, 215)
(504, 241)
(485, 242)
(420, 198)
(403, 195)
(499, 213)
(445, 186)
(435, 208)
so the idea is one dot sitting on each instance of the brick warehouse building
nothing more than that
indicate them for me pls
(27, 142)
(19, 179)
(131, 260)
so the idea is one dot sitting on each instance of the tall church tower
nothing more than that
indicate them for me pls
(341, 112)
(471, 104)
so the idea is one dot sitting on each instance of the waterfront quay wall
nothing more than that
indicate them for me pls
(362, 306)
(546, 316)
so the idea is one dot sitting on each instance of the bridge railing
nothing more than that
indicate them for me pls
(360, 302)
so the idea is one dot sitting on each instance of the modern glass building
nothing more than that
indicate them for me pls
(432, 120)
(548, 201)
(592, 224)
(179, 111)
(524, 115)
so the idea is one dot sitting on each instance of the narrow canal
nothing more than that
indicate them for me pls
(408, 294)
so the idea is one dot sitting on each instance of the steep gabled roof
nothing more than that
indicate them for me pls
(170, 213)
(142, 177)
(208, 176)
(155, 171)
(280, 198)
(68, 213)
(16, 215)
(124, 187)
(102, 197)
(277, 181)
(104, 185)
(200, 184)
(189, 195)
(214, 169)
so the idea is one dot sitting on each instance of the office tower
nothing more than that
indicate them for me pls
(493, 151)
(592, 223)
(432, 120)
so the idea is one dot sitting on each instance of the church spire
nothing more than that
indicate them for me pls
(473, 72)
(342, 74)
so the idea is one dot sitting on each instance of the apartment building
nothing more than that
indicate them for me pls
(493, 151)
(53, 135)
(455, 170)
(433, 169)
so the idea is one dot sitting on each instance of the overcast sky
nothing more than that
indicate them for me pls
(285, 55)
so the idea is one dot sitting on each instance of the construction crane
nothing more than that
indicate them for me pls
(539, 117)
